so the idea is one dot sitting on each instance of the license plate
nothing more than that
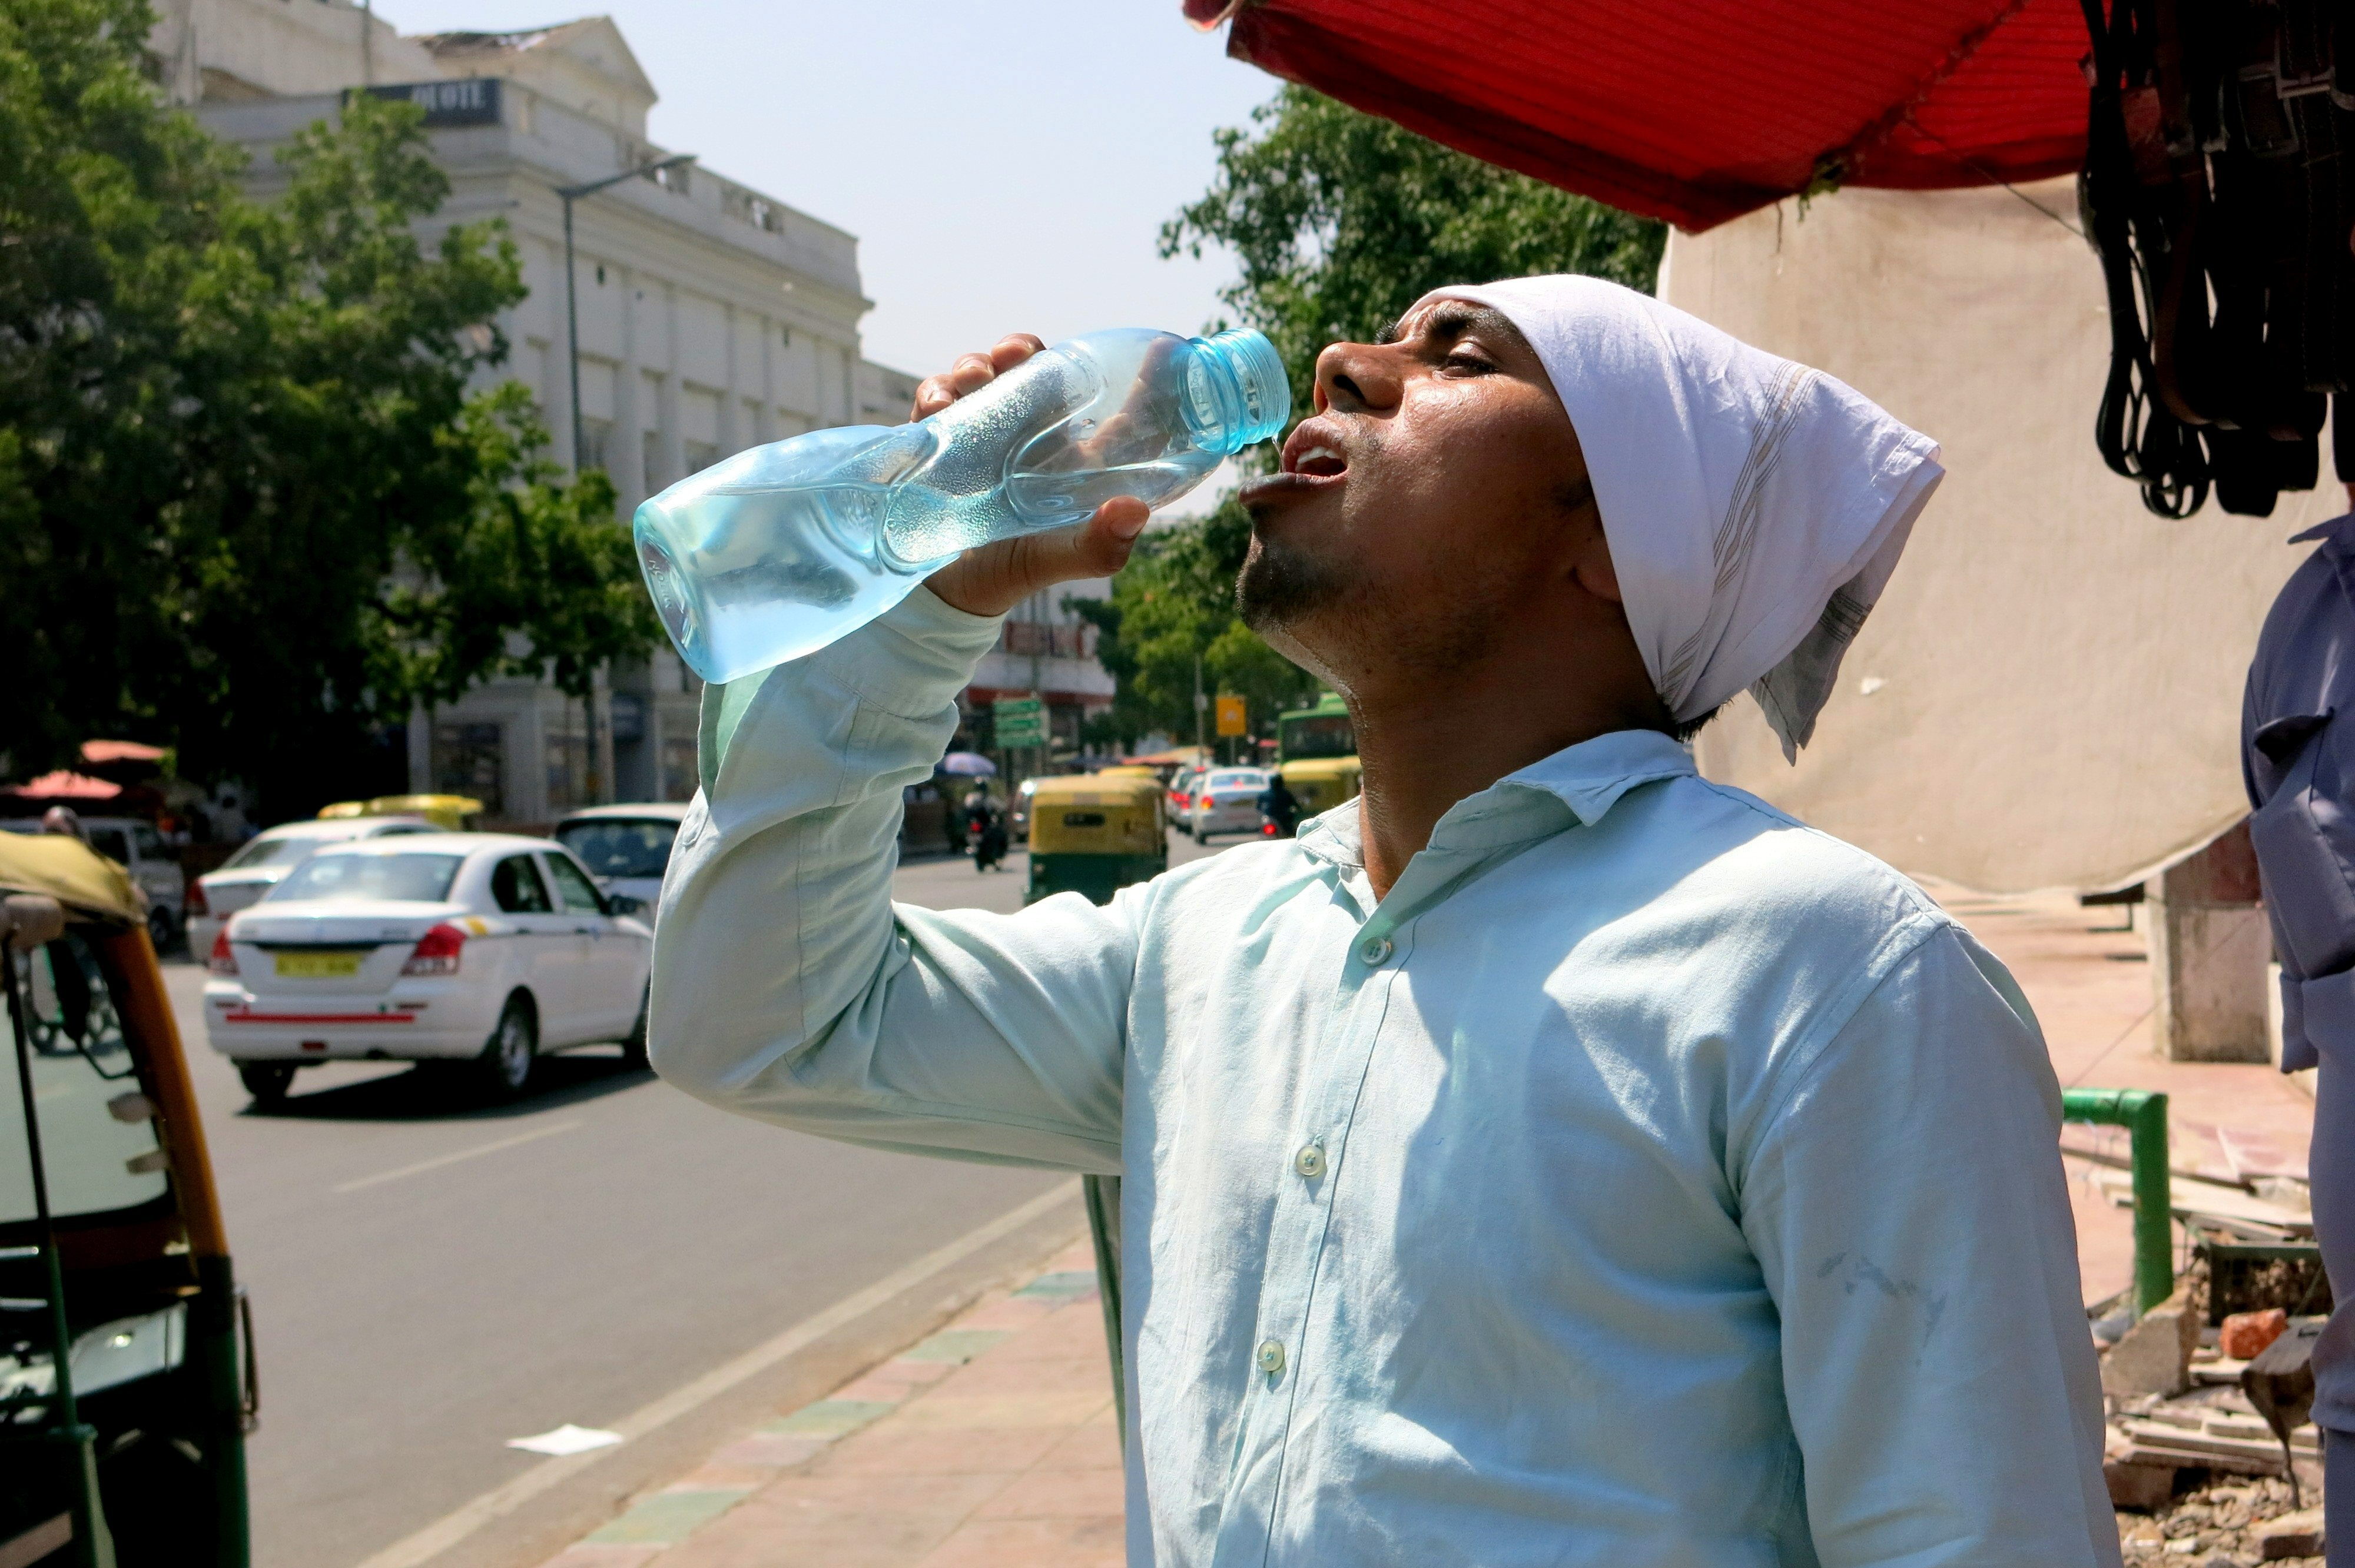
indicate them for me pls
(318, 965)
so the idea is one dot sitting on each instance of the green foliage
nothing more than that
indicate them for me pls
(1175, 600)
(534, 555)
(1340, 222)
(249, 508)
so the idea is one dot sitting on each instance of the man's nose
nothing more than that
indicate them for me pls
(1357, 377)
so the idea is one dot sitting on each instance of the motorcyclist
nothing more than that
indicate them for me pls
(985, 824)
(1279, 806)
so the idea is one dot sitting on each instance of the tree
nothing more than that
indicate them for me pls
(1175, 603)
(251, 509)
(1339, 221)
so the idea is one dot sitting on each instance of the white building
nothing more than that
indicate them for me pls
(712, 317)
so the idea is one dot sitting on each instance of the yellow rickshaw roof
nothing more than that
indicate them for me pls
(69, 871)
(436, 807)
(1098, 790)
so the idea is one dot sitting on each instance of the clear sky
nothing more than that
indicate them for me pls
(1006, 166)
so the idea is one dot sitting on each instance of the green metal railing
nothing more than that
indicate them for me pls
(2144, 1115)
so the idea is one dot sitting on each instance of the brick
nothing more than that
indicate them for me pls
(668, 1517)
(766, 1450)
(2146, 1487)
(1043, 1493)
(2291, 1535)
(1065, 1284)
(2155, 1356)
(1026, 1542)
(954, 1345)
(595, 1556)
(828, 1418)
(2245, 1334)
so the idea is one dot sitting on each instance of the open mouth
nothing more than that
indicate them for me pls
(1319, 462)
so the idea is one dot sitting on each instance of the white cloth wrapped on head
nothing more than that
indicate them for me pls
(1755, 507)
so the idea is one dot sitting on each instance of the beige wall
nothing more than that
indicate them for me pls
(2049, 695)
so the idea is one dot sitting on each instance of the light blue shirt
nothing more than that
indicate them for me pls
(1647, 1180)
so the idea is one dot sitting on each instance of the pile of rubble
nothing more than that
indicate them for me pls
(2236, 1520)
(2209, 1455)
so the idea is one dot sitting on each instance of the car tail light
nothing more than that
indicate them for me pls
(223, 961)
(436, 952)
(196, 904)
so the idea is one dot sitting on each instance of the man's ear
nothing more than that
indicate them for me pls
(1589, 547)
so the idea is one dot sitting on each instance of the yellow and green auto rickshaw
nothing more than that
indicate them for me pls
(1321, 783)
(451, 813)
(1317, 752)
(1094, 833)
(128, 1449)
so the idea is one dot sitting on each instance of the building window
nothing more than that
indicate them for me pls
(701, 455)
(596, 444)
(1048, 639)
(567, 768)
(678, 779)
(471, 760)
(650, 456)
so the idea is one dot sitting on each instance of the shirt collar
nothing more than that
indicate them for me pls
(1586, 780)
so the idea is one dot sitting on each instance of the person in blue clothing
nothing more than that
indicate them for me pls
(1549, 1157)
(2297, 756)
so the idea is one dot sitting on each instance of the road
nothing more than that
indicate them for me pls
(430, 1279)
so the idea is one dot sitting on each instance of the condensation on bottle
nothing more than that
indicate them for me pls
(780, 550)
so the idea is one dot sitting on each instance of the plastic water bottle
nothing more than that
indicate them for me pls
(780, 550)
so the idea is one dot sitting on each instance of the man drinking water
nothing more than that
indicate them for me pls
(1550, 1157)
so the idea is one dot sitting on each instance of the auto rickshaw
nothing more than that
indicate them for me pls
(1094, 833)
(451, 813)
(127, 1450)
(1321, 783)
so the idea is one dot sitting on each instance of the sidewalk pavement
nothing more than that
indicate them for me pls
(2089, 980)
(993, 1442)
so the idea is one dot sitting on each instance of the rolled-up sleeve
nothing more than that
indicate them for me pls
(1909, 1209)
(788, 987)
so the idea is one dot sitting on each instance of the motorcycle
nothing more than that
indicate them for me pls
(985, 826)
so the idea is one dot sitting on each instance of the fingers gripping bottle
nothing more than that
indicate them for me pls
(780, 550)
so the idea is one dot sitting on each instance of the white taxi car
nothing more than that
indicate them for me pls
(262, 860)
(466, 948)
(1226, 800)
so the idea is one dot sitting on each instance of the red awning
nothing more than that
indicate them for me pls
(97, 751)
(64, 786)
(1699, 111)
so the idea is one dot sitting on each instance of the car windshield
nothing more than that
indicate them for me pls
(97, 1163)
(611, 846)
(396, 878)
(1241, 779)
(274, 851)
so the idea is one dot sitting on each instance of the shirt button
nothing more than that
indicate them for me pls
(1376, 951)
(1310, 1161)
(1271, 1356)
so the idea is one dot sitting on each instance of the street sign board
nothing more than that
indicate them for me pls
(1231, 717)
(1020, 721)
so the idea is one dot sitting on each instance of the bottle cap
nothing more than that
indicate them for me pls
(1237, 391)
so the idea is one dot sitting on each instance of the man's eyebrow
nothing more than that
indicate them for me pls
(1386, 333)
(1451, 320)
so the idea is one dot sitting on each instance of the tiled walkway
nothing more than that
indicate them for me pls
(990, 1443)
(993, 1442)
(2089, 980)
